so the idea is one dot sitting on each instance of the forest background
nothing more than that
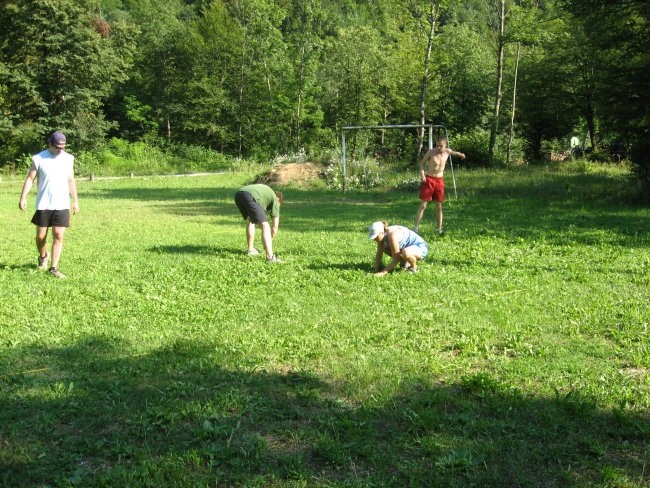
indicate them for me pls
(512, 80)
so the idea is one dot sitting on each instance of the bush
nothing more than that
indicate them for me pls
(641, 167)
(359, 174)
(188, 158)
(20, 166)
(298, 157)
(475, 146)
(118, 157)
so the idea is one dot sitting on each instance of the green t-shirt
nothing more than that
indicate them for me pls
(265, 196)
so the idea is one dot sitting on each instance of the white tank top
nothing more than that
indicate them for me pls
(52, 174)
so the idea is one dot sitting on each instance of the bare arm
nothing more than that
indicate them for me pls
(456, 153)
(379, 256)
(393, 242)
(425, 158)
(27, 186)
(72, 185)
(275, 226)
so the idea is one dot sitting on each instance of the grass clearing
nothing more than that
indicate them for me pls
(518, 356)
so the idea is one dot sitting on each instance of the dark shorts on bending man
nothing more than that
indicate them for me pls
(249, 208)
(51, 218)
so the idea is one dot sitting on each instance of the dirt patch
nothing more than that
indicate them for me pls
(291, 173)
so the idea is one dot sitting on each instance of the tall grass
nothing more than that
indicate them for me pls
(118, 157)
(518, 356)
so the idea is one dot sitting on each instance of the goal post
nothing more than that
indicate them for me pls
(430, 128)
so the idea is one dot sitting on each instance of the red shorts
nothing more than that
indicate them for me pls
(432, 188)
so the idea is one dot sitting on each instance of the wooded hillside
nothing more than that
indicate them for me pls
(255, 78)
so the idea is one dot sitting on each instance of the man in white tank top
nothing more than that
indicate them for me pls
(54, 170)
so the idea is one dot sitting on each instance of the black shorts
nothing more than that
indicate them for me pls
(51, 218)
(249, 208)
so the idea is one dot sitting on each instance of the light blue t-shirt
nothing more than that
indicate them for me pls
(409, 238)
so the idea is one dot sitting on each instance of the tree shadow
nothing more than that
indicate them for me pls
(199, 250)
(364, 267)
(550, 207)
(165, 193)
(92, 414)
(557, 208)
(19, 267)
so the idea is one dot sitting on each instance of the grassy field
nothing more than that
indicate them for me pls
(519, 356)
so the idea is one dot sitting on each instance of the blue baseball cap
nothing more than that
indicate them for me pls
(56, 138)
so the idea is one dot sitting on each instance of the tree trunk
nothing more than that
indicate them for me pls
(514, 99)
(240, 123)
(536, 145)
(300, 84)
(272, 105)
(433, 13)
(494, 129)
(591, 125)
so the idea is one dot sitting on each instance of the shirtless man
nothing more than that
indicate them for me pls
(432, 168)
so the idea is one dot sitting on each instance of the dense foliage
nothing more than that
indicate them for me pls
(257, 78)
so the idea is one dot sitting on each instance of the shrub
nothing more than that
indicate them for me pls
(189, 158)
(118, 157)
(359, 174)
(475, 146)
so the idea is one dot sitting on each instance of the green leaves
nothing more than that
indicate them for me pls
(59, 69)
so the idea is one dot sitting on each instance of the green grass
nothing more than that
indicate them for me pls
(518, 356)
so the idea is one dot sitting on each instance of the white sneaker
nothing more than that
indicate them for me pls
(56, 273)
(273, 259)
(43, 262)
(253, 252)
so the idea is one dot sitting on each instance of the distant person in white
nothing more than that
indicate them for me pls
(575, 142)
(54, 170)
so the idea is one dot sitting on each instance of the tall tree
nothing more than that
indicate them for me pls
(514, 104)
(465, 72)
(350, 77)
(304, 32)
(431, 16)
(621, 93)
(548, 107)
(500, 46)
(143, 106)
(60, 59)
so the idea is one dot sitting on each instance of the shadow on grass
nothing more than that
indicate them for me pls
(365, 267)
(581, 208)
(200, 250)
(578, 208)
(19, 267)
(92, 415)
(214, 251)
(165, 193)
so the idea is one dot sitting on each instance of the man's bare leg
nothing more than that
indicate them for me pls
(267, 240)
(439, 216)
(57, 245)
(41, 241)
(250, 236)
